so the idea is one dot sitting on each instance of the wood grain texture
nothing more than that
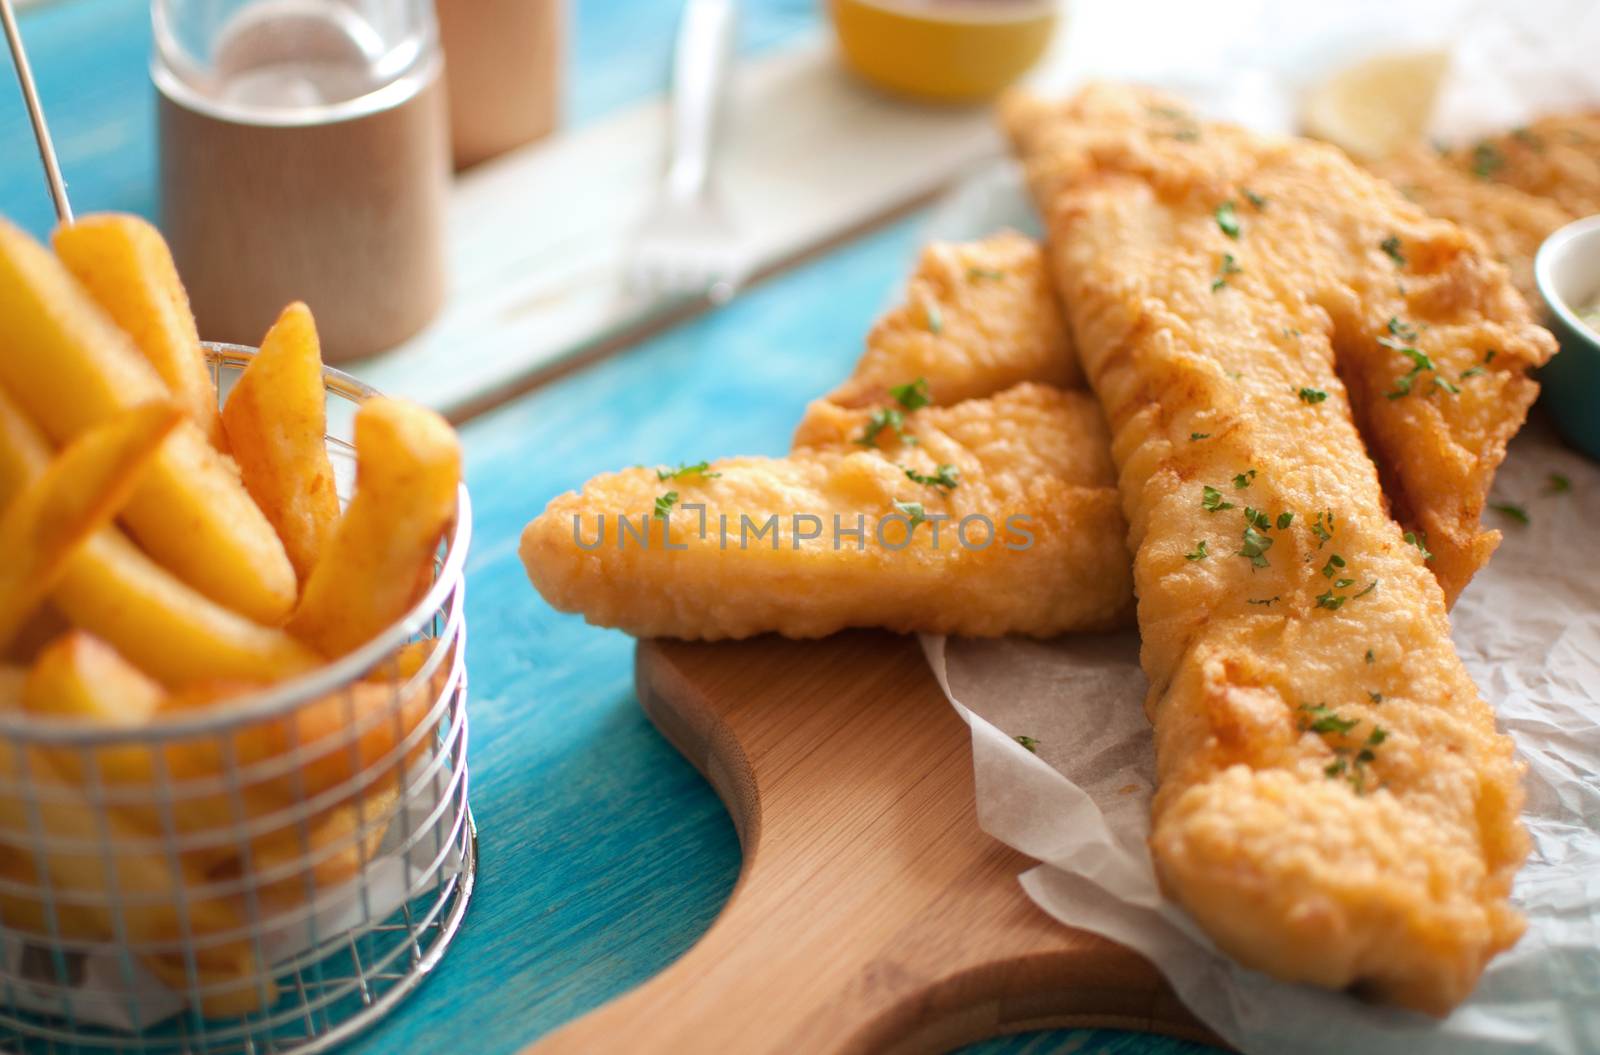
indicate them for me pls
(872, 914)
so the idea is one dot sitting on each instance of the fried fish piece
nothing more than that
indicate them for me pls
(1433, 345)
(978, 318)
(1015, 529)
(1556, 158)
(1335, 804)
(1511, 222)
(1512, 190)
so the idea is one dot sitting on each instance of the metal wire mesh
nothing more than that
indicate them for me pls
(268, 873)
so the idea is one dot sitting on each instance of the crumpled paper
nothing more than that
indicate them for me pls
(1528, 629)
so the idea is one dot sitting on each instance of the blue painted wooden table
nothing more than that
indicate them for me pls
(604, 855)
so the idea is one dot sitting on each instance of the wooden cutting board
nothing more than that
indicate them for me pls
(872, 914)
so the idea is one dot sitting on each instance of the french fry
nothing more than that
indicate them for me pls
(275, 419)
(114, 885)
(127, 268)
(338, 741)
(73, 368)
(73, 498)
(408, 466)
(112, 589)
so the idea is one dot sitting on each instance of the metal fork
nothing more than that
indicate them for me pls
(688, 245)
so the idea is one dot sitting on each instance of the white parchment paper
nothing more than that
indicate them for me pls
(1528, 629)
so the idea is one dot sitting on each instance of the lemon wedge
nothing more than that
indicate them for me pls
(1376, 106)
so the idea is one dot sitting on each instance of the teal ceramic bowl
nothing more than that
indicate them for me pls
(1567, 271)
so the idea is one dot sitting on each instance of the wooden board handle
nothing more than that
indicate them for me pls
(871, 914)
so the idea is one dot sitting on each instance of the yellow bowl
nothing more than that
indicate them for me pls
(948, 51)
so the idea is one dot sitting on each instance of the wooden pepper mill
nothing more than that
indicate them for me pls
(304, 156)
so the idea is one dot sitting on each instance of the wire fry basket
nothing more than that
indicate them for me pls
(268, 873)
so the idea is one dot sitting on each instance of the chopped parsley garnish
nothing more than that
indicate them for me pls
(1557, 484)
(1266, 601)
(1243, 479)
(1229, 266)
(1486, 160)
(1199, 551)
(1403, 330)
(913, 510)
(1323, 533)
(934, 318)
(1199, 436)
(1370, 657)
(1253, 198)
(664, 504)
(1419, 540)
(1256, 518)
(1512, 510)
(1327, 599)
(1420, 363)
(1375, 697)
(1325, 720)
(1255, 546)
(1029, 742)
(700, 469)
(1284, 520)
(994, 275)
(1373, 585)
(944, 479)
(1329, 569)
(1439, 382)
(1211, 500)
(1312, 395)
(885, 418)
(1228, 219)
(1391, 248)
(1348, 763)
(1471, 371)
(913, 395)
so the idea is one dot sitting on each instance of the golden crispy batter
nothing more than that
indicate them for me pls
(1511, 190)
(1034, 452)
(1512, 223)
(1556, 158)
(1401, 290)
(1336, 806)
(978, 318)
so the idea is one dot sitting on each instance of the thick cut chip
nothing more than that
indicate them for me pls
(110, 588)
(276, 418)
(1335, 804)
(378, 561)
(64, 360)
(50, 519)
(127, 268)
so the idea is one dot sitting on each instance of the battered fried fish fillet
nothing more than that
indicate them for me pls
(1556, 158)
(1031, 463)
(1511, 190)
(1511, 222)
(978, 318)
(1335, 805)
